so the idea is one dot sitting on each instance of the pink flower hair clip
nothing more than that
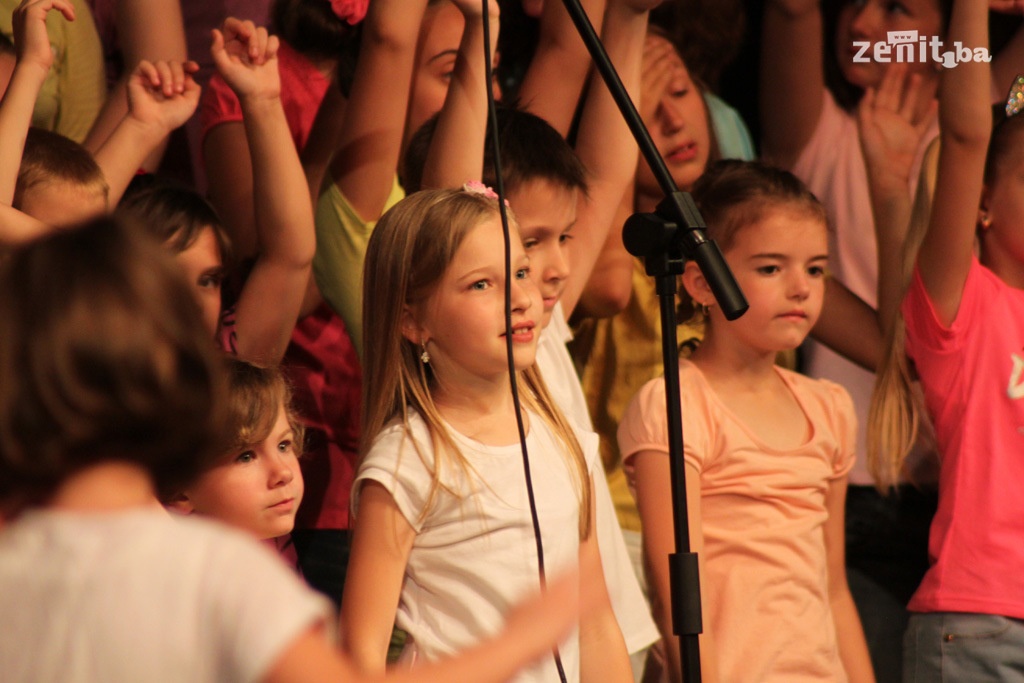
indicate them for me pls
(350, 11)
(476, 187)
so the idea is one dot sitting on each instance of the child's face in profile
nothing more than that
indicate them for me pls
(546, 213)
(257, 490)
(58, 202)
(203, 266)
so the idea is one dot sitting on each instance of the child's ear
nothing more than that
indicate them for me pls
(696, 286)
(411, 329)
(181, 504)
(984, 219)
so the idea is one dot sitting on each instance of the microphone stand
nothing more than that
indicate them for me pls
(666, 239)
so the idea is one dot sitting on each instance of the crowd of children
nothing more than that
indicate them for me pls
(331, 408)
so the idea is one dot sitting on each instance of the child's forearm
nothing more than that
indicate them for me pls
(946, 253)
(284, 216)
(17, 228)
(554, 80)
(457, 146)
(370, 141)
(15, 119)
(146, 29)
(123, 153)
(606, 147)
(285, 235)
(792, 77)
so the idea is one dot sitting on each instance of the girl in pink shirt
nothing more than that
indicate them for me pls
(766, 451)
(964, 322)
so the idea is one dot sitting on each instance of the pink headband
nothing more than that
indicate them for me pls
(351, 11)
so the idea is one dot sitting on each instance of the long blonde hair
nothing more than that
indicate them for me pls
(897, 418)
(411, 247)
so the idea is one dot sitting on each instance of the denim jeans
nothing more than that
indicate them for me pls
(953, 647)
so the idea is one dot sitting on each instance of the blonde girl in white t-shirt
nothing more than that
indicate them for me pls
(443, 538)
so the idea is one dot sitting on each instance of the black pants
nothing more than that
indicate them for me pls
(323, 558)
(886, 558)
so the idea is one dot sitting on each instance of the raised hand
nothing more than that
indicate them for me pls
(658, 68)
(892, 120)
(30, 38)
(246, 57)
(163, 94)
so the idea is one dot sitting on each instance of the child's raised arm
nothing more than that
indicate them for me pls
(366, 159)
(365, 162)
(890, 136)
(611, 280)
(17, 227)
(35, 56)
(151, 30)
(553, 81)
(965, 120)
(246, 56)
(792, 77)
(456, 152)
(161, 97)
(891, 129)
(606, 147)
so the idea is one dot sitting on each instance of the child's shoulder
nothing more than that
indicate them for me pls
(694, 390)
(398, 430)
(831, 396)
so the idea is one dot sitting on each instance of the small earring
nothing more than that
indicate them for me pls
(705, 309)
(986, 221)
(425, 356)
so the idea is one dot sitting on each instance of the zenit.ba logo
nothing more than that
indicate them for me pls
(908, 46)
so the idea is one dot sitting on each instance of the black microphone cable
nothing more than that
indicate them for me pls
(500, 190)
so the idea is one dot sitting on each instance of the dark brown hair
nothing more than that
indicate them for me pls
(311, 28)
(175, 215)
(530, 148)
(103, 357)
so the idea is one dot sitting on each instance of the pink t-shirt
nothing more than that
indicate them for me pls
(972, 374)
(326, 380)
(765, 587)
(302, 89)
(832, 166)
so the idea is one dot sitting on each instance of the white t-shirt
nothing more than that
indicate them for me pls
(474, 555)
(628, 601)
(138, 595)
